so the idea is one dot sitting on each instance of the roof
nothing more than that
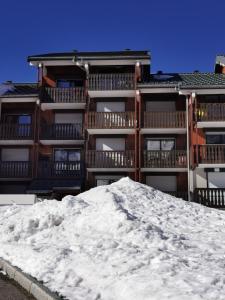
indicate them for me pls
(91, 55)
(185, 80)
(9, 89)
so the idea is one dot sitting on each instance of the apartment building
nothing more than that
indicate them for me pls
(94, 117)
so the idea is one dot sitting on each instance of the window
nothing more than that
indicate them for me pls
(215, 138)
(69, 83)
(18, 119)
(160, 144)
(69, 155)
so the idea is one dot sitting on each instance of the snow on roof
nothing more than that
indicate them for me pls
(123, 241)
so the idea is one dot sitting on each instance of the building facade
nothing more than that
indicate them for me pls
(94, 117)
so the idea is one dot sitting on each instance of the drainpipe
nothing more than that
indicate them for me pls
(188, 146)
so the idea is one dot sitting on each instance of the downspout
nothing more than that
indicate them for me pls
(188, 146)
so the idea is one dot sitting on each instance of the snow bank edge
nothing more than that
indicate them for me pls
(27, 282)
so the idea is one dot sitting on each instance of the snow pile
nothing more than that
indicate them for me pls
(125, 241)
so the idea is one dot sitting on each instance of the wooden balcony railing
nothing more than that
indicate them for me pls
(10, 131)
(63, 95)
(176, 119)
(110, 82)
(211, 112)
(61, 132)
(210, 154)
(15, 169)
(59, 169)
(110, 159)
(165, 159)
(211, 197)
(110, 120)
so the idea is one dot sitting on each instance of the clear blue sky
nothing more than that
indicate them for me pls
(182, 35)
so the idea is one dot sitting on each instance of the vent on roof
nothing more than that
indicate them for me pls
(159, 72)
(127, 49)
(8, 82)
(196, 71)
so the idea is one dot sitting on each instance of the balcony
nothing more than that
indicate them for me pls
(166, 122)
(212, 197)
(113, 85)
(56, 133)
(15, 169)
(212, 155)
(159, 160)
(16, 134)
(60, 169)
(110, 160)
(211, 115)
(62, 98)
(111, 122)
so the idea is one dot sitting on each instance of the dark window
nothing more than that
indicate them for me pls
(215, 139)
(69, 83)
(160, 144)
(67, 155)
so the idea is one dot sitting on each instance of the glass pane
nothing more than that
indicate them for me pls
(213, 139)
(167, 144)
(26, 119)
(60, 155)
(153, 145)
(63, 83)
(74, 155)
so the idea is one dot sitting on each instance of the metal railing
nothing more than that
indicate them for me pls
(211, 112)
(164, 159)
(156, 119)
(212, 197)
(210, 154)
(15, 169)
(10, 131)
(59, 169)
(62, 132)
(110, 120)
(110, 159)
(63, 95)
(109, 82)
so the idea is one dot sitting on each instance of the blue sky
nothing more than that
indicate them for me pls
(182, 35)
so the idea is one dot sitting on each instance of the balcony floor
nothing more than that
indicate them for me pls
(62, 142)
(111, 131)
(210, 124)
(163, 130)
(164, 169)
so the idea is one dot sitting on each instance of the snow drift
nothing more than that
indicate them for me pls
(119, 242)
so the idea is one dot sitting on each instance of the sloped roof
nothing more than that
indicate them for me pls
(185, 80)
(18, 89)
(90, 55)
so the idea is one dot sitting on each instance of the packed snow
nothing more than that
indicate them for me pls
(124, 241)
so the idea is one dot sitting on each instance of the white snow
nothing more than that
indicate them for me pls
(125, 241)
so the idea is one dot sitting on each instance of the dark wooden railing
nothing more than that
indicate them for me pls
(156, 119)
(179, 194)
(110, 159)
(59, 169)
(10, 131)
(210, 154)
(63, 95)
(109, 82)
(15, 169)
(111, 120)
(211, 112)
(211, 197)
(165, 159)
(62, 132)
